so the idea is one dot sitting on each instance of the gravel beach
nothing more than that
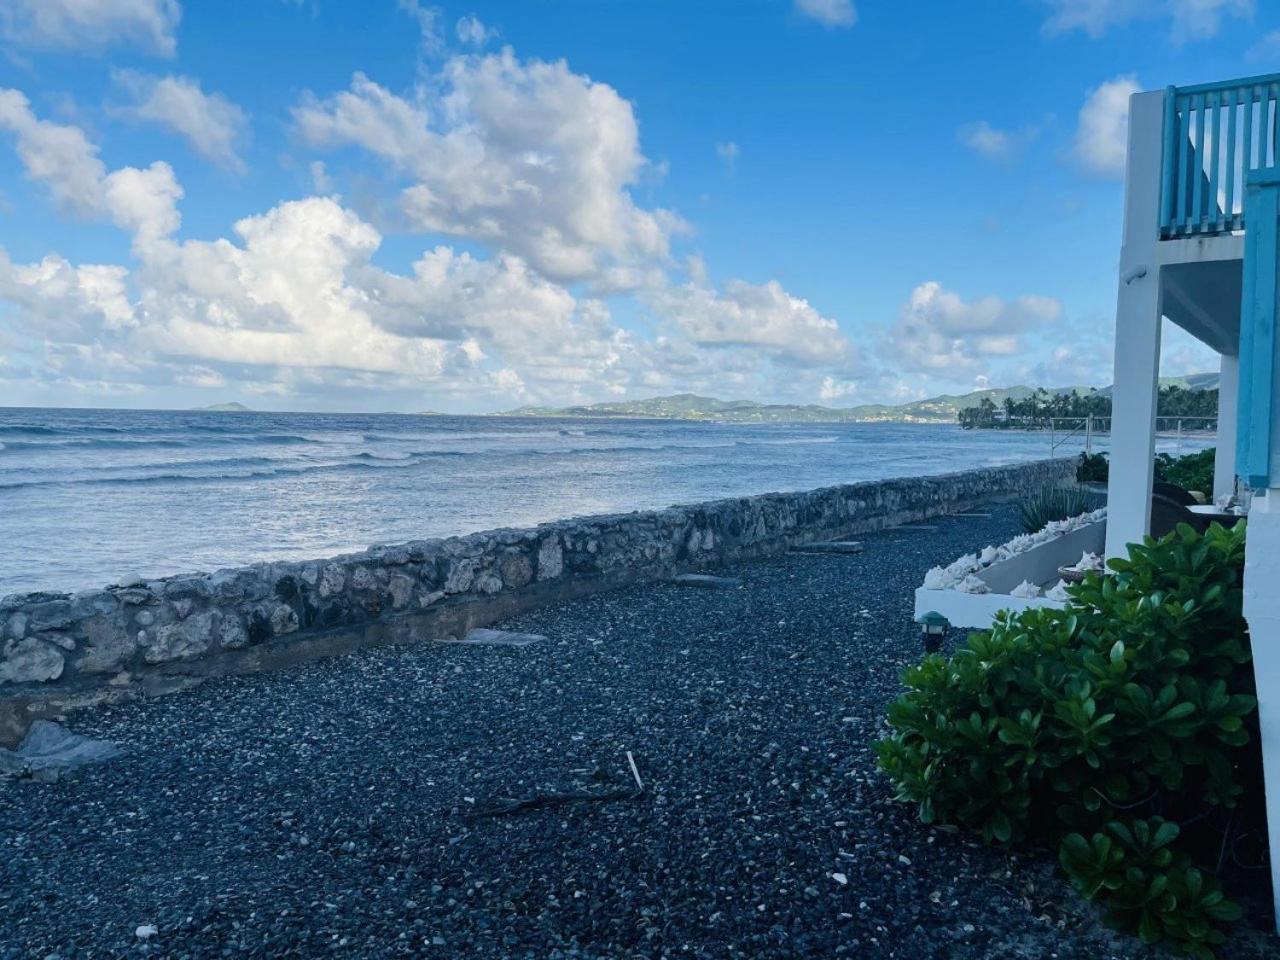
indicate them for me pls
(337, 809)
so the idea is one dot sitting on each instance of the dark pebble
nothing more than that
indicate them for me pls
(329, 810)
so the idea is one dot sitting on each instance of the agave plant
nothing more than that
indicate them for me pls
(1056, 503)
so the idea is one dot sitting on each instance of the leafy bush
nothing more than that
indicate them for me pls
(1093, 468)
(1103, 727)
(1192, 472)
(1055, 503)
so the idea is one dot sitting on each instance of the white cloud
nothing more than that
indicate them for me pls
(321, 182)
(212, 124)
(994, 143)
(1188, 19)
(294, 299)
(143, 202)
(829, 13)
(281, 296)
(428, 20)
(1266, 48)
(938, 332)
(61, 298)
(836, 389)
(91, 24)
(762, 316)
(1182, 354)
(59, 156)
(1100, 141)
(202, 377)
(1201, 19)
(983, 138)
(527, 157)
(473, 32)
(729, 152)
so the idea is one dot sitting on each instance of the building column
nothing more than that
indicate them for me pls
(1133, 413)
(1262, 610)
(1224, 464)
(1138, 318)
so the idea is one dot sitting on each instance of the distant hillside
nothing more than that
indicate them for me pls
(1192, 381)
(232, 407)
(940, 409)
(688, 406)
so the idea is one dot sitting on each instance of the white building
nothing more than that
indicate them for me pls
(1201, 221)
(1201, 247)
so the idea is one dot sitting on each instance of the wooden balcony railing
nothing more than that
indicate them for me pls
(1214, 134)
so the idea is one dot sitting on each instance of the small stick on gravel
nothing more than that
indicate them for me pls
(635, 773)
(557, 798)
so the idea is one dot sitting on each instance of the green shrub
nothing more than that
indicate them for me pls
(1081, 725)
(1055, 503)
(1192, 472)
(1093, 468)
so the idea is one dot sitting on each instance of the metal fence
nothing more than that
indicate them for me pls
(1064, 430)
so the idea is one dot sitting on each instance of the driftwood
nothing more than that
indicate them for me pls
(557, 798)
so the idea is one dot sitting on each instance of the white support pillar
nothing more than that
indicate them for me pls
(1262, 610)
(1133, 415)
(1224, 464)
(1138, 318)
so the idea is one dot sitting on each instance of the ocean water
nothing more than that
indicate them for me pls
(90, 496)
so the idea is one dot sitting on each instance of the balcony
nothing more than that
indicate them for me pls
(1215, 134)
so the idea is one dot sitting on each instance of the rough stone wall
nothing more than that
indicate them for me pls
(61, 649)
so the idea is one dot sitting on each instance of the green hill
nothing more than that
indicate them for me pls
(689, 406)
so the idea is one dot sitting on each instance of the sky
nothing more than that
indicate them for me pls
(390, 205)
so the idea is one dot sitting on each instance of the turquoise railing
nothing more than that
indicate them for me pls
(1259, 305)
(1214, 135)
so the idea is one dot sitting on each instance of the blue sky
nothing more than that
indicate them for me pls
(466, 207)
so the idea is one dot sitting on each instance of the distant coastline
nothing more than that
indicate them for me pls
(689, 407)
(942, 409)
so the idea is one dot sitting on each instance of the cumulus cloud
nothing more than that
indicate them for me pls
(473, 32)
(528, 157)
(63, 299)
(91, 24)
(762, 316)
(983, 138)
(212, 124)
(144, 202)
(829, 13)
(1182, 354)
(1100, 141)
(61, 157)
(1188, 19)
(994, 143)
(294, 299)
(529, 163)
(282, 295)
(939, 332)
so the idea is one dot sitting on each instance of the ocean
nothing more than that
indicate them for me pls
(90, 496)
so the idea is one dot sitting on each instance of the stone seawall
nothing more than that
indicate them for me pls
(59, 651)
